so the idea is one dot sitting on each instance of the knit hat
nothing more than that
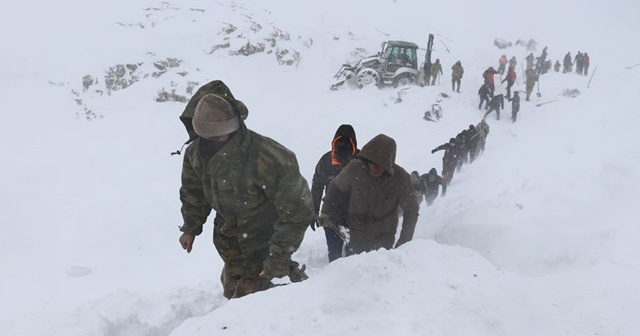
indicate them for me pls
(214, 116)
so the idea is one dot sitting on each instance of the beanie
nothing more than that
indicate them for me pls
(214, 116)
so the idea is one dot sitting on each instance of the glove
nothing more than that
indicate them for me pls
(433, 151)
(276, 265)
(323, 220)
(314, 224)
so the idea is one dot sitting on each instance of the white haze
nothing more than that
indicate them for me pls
(539, 236)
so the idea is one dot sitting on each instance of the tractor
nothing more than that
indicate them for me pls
(396, 64)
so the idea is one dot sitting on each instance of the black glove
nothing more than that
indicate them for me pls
(433, 151)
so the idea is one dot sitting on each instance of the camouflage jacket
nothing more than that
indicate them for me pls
(254, 185)
(457, 71)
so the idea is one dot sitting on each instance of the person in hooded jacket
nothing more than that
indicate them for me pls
(433, 182)
(495, 104)
(510, 79)
(344, 147)
(450, 159)
(489, 80)
(263, 204)
(515, 106)
(484, 92)
(378, 189)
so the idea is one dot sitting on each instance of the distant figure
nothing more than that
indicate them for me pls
(531, 80)
(489, 80)
(585, 71)
(579, 62)
(456, 76)
(484, 94)
(495, 104)
(427, 72)
(510, 79)
(436, 70)
(502, 63)
(483, 131)
(513, 62)
(540, 61)
(515, 106)
(433, 183)
(566, 63)
(449, 160)
(473, 136)
(556, 67)
(529, 60)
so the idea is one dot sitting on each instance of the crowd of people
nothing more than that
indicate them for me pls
(263, 205)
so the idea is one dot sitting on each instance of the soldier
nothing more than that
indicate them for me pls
(510, 79)
(585, 70)
(566, 63)
(436, 70)
(263, 204)
(515, 106)
(531, 80)
(449, 160)
(344, 147)
(489, 80)
(529, 60)
(483, 93)
(433, 183)
(495, 104)
(483, 132)
(427, 72)
(502, 63)
(579, 61)
(456, 76)
(378, 188)
(540, 61)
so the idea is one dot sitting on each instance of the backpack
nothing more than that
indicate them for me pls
(216, 87)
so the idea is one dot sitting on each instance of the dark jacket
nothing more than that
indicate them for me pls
(515, 103)
(374, 201)
(433, 181)
(497, 101)
(330, 165)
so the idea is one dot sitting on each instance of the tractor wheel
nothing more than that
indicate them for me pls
(367, 77)
(404, 80)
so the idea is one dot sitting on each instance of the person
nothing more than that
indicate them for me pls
(510, 79)
(378, 189)
(427, 72)
(263, 204)
(483, 131)
(529, 60)
(566, 63)
(489, 80)
(540, 60)
(515, 106)
(433, 182)
(419, 185)
(531, 79)
(449, 160)
(495, 104)
(585, 63)
(579, 62)
(472, 142)
(556, 67)
(436, 70)
(344, 147)
(483, 93)
(513, 62)
(502, 63)
(456, 76)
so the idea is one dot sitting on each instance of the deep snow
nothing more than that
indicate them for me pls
(537, 237)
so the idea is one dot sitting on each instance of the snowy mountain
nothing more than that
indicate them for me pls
(539, 236)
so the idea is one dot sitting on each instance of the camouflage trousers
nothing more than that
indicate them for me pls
(234, 287)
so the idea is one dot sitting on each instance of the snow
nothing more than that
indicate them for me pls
(537, 237)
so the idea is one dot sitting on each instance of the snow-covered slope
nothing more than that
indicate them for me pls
(538, 236)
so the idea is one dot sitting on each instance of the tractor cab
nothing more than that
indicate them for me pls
(398, 54)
